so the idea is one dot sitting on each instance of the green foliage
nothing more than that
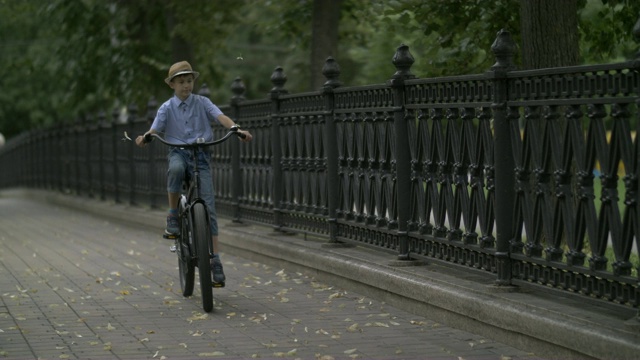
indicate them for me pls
(269, 34)
(62, 58)
(605, 28)
(444, 37)
(69, 58)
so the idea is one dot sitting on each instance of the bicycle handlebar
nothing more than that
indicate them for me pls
(232, 131)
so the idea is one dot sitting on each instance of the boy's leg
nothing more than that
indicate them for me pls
(173, 200)
(214, 241)
(216, 263)
(175, 175)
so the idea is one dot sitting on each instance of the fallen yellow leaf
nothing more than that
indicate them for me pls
(215, 353)
(198, 316)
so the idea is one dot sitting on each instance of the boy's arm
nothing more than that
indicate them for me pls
(226, 121)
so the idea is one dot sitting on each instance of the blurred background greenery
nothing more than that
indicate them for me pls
(61, 59)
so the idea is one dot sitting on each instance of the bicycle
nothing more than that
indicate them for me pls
(193, 243)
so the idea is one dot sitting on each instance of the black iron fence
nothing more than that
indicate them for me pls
(530, 175)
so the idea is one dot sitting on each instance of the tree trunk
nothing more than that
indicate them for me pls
(324, 37)
(549, 33)
(181, 49)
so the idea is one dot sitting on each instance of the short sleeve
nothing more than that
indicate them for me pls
(212, 110)
(160, 122)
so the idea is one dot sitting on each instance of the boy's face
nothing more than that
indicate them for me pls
(182, 85)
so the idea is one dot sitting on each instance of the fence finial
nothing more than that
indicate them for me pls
(331, 71)
(504, 49)
(115, 115)
(278, 79)
(102, 118)
(132, 111)
(238, 89)
(152, 107)
(204, 91)
(402, 60)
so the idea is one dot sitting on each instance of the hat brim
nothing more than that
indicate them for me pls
(195, 75)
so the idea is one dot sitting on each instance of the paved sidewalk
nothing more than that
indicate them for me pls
(75, 285)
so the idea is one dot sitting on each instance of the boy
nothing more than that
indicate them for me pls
(183, 119)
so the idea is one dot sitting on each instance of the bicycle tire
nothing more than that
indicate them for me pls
(202, 240)
(186, 266)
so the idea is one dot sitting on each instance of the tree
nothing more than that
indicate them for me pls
(453, 37)
(68, 58)
(62, 59)
(324, 38)
(549, 30)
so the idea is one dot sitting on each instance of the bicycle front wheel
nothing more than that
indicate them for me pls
(186, 265)
(202, 239)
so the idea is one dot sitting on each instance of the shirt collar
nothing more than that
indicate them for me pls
(176, 101)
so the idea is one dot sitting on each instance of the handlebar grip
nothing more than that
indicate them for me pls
(148, 138)
(235, 129)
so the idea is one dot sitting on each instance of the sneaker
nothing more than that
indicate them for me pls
(216, 270)
(172, 225)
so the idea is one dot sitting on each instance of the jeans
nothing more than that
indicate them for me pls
(181, 161)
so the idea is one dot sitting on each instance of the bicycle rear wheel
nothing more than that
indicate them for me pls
(202, 240)
(186, 266)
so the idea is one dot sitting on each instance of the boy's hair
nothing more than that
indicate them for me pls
(180, 68)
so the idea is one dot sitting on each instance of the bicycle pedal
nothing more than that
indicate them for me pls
(172, 248)
(218, 285)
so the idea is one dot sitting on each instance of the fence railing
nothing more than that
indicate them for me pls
(530, 175)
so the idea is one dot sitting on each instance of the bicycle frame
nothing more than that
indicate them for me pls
(193, 185)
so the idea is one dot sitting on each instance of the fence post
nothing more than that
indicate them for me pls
(152, 109)
(89, 135)
(29, 159)
(278, 79)
(101, 129)
(402, 60)
(132, 111)
(633, 197)
(57, 156)
(504, 49)
(76, 128)
(115, 115)
(331, 71)
(238, 89)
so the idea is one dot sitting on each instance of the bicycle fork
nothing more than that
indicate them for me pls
(183, 216)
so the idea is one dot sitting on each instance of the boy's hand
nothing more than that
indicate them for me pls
(140, 141)
(247, 135)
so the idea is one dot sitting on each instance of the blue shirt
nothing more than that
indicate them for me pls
(186, 121)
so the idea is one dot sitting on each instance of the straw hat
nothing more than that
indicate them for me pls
(180, 68)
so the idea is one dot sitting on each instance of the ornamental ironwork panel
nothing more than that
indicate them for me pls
(141, 174)
(576, 154)
(255, 157)
(221, 166)
(365, 138)
(93, 149)
(300, 122)
(109, 143)
(451, 144)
